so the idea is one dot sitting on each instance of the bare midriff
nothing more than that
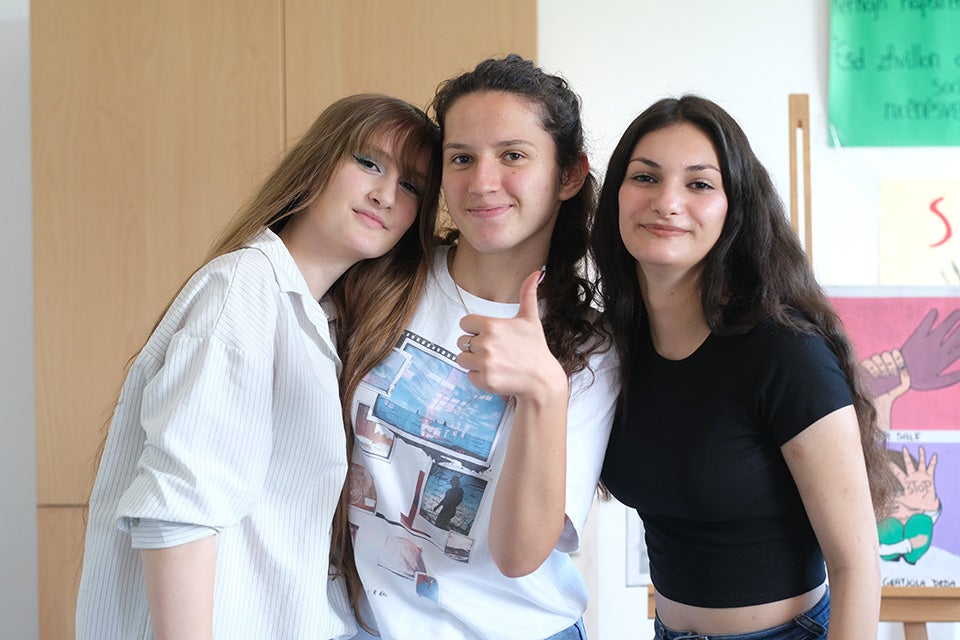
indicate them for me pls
(707, 621)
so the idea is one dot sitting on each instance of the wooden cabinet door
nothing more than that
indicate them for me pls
(152, 121)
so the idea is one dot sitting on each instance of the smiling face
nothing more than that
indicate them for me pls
(367, 204)
(672, 201)
(501, 180)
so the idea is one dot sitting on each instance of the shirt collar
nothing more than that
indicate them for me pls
(290, 280)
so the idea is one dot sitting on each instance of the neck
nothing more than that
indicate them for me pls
(677, 323)
(493, 277)
(319, 271)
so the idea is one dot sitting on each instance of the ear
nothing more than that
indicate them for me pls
(573, 178)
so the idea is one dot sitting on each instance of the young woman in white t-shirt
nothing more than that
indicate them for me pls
(478, 442)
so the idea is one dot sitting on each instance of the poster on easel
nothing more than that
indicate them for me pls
(907, 340)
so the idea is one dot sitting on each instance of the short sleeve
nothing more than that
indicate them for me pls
(593, 399)
(156, 534)
(805, 383)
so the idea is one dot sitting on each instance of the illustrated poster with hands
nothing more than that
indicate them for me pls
(909, 351)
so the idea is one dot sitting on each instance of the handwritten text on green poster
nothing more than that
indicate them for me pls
(894, 73)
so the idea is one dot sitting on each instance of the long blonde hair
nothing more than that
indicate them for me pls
(366, 328)
(346, 126)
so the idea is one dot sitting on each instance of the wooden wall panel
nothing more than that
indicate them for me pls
(151, 122)
(60, 544)
(336, 48)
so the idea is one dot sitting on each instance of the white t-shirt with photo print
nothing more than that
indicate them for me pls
(428, 452)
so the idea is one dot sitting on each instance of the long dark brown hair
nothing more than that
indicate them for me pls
(756, 270)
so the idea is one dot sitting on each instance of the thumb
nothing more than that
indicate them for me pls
(528, 296)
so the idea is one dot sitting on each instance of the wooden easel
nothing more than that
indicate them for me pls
(913, 606)
(916, 606)
(800, 121)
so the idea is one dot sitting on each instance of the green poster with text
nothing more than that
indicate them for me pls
(894, 73)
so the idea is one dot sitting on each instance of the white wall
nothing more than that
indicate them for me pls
(18, 528)
(747, 55)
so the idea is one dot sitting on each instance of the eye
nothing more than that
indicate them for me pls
(411, 188)
(700, 185)
(513, 156)
(460, 158)
(642, 178)
(367, 163)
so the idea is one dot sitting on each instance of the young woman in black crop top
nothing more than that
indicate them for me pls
(744, 437)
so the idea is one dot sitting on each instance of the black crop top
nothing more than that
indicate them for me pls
(697, 453)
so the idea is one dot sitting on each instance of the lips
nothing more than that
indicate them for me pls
(664, 230)
(370, 219)
(488, 210)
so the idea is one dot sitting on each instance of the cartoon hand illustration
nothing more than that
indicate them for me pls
(919, 490)
(887, 380)
(930, 350)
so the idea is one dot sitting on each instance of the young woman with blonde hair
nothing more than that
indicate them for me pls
(212, 515)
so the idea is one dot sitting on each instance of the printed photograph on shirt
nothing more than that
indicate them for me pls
(433, 404)
(402, 556)
(458, 547)
(427, 586)
(435, 502)
(385, 375)
(451, 499)
(425, 428)
(363, 492)
(908, 343)
(371, 436)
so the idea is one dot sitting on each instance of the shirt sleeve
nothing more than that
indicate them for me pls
(593, 399)
(207, 412)
(805, 383)
(155, 534)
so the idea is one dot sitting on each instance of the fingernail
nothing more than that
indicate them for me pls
(543, 274)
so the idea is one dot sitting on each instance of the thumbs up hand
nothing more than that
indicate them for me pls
(510, 356)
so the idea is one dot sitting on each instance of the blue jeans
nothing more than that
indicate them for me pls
(573, 632)
(811, 625)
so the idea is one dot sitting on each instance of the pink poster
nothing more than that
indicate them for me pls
(909, 350)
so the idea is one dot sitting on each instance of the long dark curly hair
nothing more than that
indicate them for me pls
(569, 320)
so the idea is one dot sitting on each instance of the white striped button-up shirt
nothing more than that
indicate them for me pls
(229, 419)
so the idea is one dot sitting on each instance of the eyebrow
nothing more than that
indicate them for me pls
(380, 154)
(693, 168)
(519, 142)
(377, 151)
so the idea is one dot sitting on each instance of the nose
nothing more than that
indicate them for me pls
(667, 199)
(486, 176)
(383, 194)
